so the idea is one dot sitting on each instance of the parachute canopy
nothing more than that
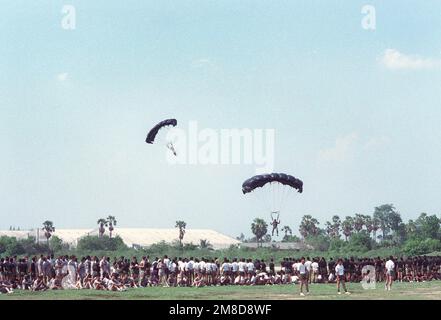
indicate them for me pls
(260, 180)
(154, 131)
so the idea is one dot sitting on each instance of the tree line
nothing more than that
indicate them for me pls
(384, 228)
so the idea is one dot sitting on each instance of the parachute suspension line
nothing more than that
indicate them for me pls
(281, 197)
(268, 194)
(288, 193)
(269, 197)
(263, 199)
(285, 193)
(279, 194)
(273, 192)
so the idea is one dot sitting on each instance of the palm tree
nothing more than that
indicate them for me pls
(347, 227)
(375, 227)
(205, 244)
(259, 228)
(308, 226)
(181, 225)
(102, 224)
(48, 228)
(287, 231)
(112, 222)
(358, 222)
(329, 229)
(369, 223)
(389, 219)
(332, 228)
(336, 224)
(411, 227)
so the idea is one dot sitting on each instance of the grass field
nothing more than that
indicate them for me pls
(424, 291)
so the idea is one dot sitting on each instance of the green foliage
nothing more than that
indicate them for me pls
(337, 244)
(259, 228)
(309, 226)
(417, 247)
(205, 244)
(337, 248)
(190, 246)
(347, 227)
(94, 243)
(57, 245)
(359, 242)
(397, 238)
(10, 246)
(389, 219)
(318, 242)
(290, 238)
(427, 227)
(162, 247)
(332, 228)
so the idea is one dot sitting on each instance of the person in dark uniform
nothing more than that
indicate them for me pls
(272, 267)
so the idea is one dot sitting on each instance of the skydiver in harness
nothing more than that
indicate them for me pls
(154, 131)
(170, 146)
(275, 223)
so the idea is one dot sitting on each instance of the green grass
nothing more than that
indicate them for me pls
(412, 291)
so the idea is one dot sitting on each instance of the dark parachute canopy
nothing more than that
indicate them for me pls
(260, 180)
(154, 131)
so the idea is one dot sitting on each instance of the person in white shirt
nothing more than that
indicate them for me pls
(340, 274)
(183, 265)
(303, 275)
(59, 267)
(308, 264)
(242, 267)
(294, 279)
(235, 267)
(250, 268)
(208, 271)
(390, 273)
(166, 260)
(202, 267)
(225, 268)
(172, 267)
(190, 269)
(315, 270)
(40, 266)
(196, 267)
(87, 266)
(104, 270)
(294, 267)
(214, 266)
(331, 277)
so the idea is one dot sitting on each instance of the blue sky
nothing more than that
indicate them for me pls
(356, 111)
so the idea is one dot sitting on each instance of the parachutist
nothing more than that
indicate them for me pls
(275, 223)
(278, 184)
(172, 149)
(154, 131)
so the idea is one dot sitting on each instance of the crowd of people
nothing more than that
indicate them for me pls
(67, 272)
